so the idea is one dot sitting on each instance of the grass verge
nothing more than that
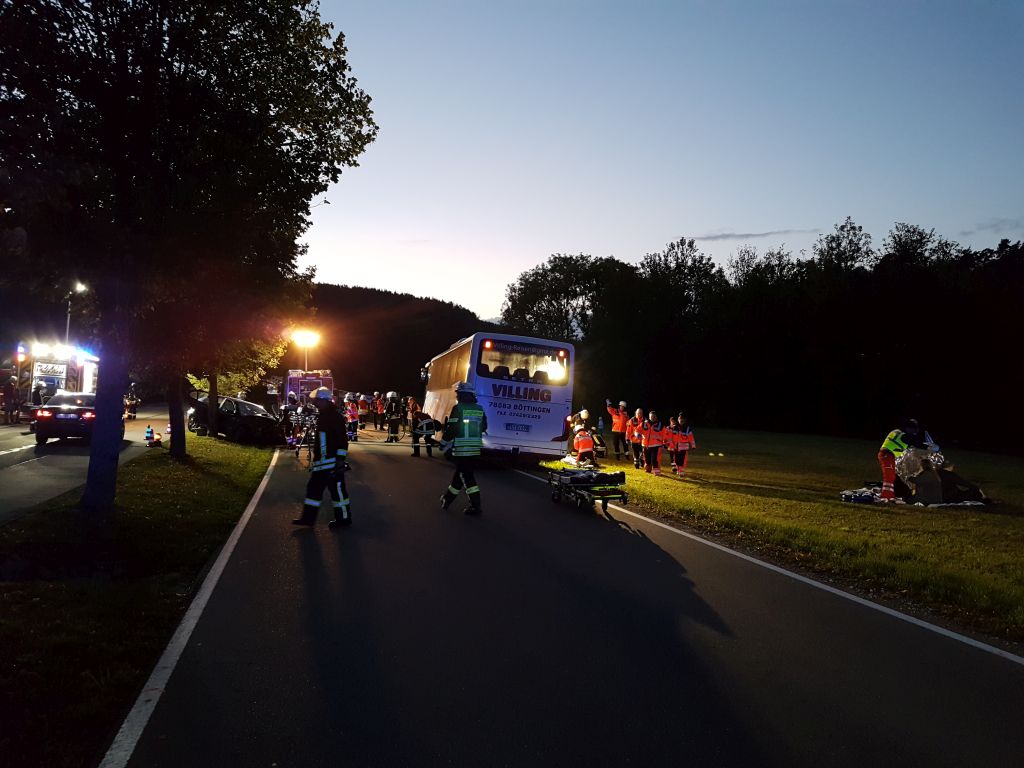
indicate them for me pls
(87, 609)
(777, 495)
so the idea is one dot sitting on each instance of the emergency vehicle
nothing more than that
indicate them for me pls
(57, 366)
(302, 383)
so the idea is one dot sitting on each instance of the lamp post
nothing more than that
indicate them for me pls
(306, 339)
(79, 288)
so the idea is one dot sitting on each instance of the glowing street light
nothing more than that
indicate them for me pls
(80, 287)
(306, 339)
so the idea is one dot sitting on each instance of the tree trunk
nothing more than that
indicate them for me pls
(176, 415)
(212, 406)
(101, 480)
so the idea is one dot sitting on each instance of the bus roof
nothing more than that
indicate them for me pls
(503, 337)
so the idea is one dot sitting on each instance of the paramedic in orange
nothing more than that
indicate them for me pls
(620, 417)
(652, 436)
(583, 443)
(633, 436)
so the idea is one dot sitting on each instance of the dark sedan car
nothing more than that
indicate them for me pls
(238, 420)
(67, 414)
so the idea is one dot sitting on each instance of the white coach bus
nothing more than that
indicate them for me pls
(524, 385)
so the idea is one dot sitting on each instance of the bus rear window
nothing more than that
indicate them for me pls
(518, 361)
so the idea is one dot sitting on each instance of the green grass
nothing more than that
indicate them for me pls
(778, 495)
(87, 609)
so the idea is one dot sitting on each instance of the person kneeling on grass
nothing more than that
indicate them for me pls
(583, 443)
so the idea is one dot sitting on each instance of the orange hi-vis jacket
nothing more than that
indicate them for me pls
(685, 440)
(619, 419)
(352, 411)
(378, 404)
(633, 429)
(652, 435)
(583, 442)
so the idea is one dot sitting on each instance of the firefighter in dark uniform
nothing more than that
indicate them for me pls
(422, 429)
(463, 441)
(328, 463)
(393, 412)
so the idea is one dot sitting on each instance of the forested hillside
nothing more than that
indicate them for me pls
(378, 340)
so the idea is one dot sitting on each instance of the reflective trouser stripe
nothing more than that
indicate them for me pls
(312, 502)
(474, 489)
(342, 503)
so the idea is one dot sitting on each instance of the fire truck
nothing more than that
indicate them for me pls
(304, 382)
(55, 366)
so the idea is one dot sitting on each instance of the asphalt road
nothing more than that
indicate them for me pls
(30, 473)
(538, 635)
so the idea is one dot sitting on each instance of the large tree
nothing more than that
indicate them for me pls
(156, 148)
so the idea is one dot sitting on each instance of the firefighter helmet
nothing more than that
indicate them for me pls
(321, 393)
(622, 403)
(465, 388)
(584, 414)
(350, 397)
(392, 396)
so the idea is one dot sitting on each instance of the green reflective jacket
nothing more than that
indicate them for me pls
(464, 429)
(896, 443)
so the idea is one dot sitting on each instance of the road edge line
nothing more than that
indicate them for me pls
(121, 749)
(978, 644)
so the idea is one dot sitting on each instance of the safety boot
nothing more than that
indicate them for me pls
(342, 517)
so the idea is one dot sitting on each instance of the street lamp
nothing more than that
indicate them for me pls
(79, 288)
(306, 339)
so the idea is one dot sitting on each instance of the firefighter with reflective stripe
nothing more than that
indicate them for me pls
(583, 443)
(652, 437)
(620, 418)
(462, 443)
(633, 427)
(393, 412)
(328, 463)
(422, 429)
(895, 445)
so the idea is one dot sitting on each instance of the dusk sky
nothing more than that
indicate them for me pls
(511, 131)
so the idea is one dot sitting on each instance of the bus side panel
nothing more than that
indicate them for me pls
(439, 403)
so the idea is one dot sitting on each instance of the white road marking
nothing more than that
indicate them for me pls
(15, 450)
(819, 585)
(121, 749)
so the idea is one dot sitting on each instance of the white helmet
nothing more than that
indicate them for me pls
(376, 394)
(622, 403)
(578, 428)
(584, 414)
(392, 395)
(465, 388)
(350, 397)
(321, 393)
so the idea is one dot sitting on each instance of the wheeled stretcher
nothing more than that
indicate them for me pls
(587, 487)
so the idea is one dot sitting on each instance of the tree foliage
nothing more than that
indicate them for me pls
(849, 341)
(166, 152)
